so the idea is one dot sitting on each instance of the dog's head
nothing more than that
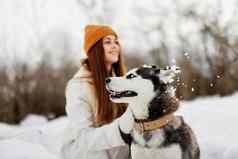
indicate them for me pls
(141, 85)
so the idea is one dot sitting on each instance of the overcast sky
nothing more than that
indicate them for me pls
(27, 26)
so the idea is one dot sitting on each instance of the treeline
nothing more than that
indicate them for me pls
(41, 90)
(38, 91)
(194, 83)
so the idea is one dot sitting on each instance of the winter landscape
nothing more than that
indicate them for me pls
(41, 45)
(212, 118)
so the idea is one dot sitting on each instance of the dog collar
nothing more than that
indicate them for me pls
(142, 126)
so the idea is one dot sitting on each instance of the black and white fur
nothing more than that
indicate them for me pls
(150, 95)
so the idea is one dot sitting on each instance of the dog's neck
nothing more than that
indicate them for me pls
(140, 110)
(154, 109)
(144, 126)
(161, 105)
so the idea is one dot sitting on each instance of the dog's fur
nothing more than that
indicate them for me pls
(150, 95)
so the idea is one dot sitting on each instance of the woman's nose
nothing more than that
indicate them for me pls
(108, 80)
(114, 45)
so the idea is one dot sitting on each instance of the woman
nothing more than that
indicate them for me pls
(95, 123)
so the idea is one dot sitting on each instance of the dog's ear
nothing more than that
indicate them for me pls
(169, 74)
(157, 71)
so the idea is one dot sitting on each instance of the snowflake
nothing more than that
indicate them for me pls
(186, 55)
(173, 61)
(211, 84)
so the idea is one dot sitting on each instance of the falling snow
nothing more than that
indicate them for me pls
(186, 55)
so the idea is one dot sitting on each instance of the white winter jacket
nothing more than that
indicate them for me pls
(81, 139)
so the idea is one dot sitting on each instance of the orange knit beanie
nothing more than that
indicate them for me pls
(94, 33)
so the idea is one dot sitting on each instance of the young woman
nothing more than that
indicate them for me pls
(95, 123)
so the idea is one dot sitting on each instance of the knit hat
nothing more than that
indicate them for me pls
(93, 33)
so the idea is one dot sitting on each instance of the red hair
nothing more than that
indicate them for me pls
(96, 64)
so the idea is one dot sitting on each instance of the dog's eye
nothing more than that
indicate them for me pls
(130, 76)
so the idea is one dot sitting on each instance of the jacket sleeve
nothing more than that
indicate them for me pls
(78, 108)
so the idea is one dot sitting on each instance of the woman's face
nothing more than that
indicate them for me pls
(111, 49)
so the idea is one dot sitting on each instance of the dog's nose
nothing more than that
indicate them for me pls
(108, 80)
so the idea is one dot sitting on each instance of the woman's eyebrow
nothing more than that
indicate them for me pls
(106, 38)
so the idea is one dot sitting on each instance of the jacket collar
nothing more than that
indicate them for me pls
(84, 74)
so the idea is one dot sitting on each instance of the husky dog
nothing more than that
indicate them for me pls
(157, 132)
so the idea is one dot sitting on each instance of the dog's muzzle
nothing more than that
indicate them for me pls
(114, 94)
(118, 94)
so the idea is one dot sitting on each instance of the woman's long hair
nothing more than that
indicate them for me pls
(96, 64)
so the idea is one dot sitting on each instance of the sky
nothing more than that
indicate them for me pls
(28, 27)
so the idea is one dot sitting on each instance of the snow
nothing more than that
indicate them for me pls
(213, 120)
(34, 138)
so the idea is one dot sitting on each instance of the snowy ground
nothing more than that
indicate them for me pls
(212, 118)
(214, 121)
